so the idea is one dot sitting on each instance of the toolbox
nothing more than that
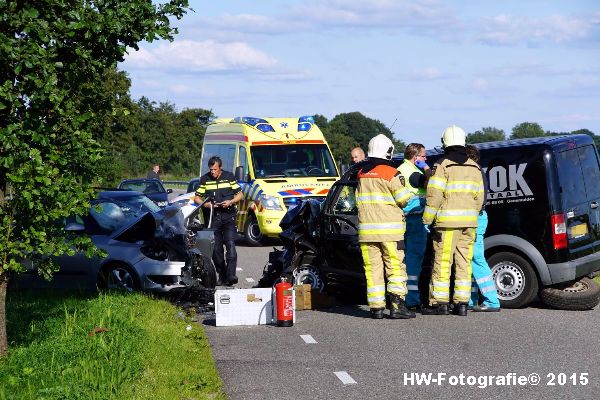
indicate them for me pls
(243, 307)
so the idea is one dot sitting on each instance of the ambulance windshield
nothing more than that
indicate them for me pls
(293, 160)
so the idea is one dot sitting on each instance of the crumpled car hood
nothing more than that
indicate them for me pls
(168, 223)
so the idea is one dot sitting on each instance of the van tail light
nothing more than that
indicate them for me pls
(559, 231)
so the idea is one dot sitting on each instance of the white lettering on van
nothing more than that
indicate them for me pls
(509, 183)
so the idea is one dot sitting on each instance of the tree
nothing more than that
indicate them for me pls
(349, 130)
(527, 130)
(55, 55)
(486, 134)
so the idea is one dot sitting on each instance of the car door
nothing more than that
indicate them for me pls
(339, 234)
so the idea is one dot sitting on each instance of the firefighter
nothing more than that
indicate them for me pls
(380, 194)
(416, 173)
(454, 199)
(482, 275)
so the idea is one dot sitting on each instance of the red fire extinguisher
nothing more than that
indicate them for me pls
(285, 307)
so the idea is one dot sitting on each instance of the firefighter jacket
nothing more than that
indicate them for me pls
(380, 194)
(455, 192)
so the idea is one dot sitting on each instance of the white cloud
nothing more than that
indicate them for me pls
(427, 74)
(506, 29)
(203, 56)
(480, 84)
(427, 17)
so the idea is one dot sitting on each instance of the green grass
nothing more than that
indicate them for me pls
(146, 352)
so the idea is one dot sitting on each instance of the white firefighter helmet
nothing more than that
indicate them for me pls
(381, 147)
(453, 136)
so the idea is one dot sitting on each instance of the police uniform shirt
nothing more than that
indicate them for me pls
(220, 189)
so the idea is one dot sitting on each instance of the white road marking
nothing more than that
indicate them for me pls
(249, 280)
(344, 377)
(308, 339)
(238, 269)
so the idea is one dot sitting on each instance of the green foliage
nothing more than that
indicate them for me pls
(146, 351)
(152, 133)
(54, 93)
(527, 130)
(486, 134)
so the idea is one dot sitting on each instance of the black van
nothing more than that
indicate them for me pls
(543, 235)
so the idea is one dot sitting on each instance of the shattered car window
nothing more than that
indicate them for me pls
(110, 216)
(346, 202)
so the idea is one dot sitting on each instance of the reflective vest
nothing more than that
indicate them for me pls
(380, 194)
(407, 168)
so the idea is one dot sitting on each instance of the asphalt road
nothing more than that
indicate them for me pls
(482, 356)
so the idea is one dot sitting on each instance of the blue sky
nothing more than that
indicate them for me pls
(424, 64)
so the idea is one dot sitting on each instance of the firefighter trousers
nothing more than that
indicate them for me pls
(415, 241)
(378, 256)
(483, 282)
(451, 246)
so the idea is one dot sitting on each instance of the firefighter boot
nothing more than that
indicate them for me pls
(398, 308)
(460, 309)
(377, 313)
(436, 309)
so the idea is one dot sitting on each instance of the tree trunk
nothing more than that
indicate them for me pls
(3, 338)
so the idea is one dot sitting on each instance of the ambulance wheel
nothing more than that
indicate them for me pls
(516, 281)
(580, 295)
(252, 232)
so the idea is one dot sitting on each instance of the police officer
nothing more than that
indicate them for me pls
(379, 195)
(482, 275)
(454, 199)
(224, 192)
(416, 173)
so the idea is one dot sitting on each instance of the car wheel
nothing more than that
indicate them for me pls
(308, 274)
(119, 277)
(252, 232)
(515, 279)
(583, 294)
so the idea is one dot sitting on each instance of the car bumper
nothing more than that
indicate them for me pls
(570, 270)
(159, 276)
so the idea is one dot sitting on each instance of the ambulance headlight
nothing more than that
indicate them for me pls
(270, 202)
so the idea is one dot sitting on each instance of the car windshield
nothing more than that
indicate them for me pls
(292, 161)
(111, 215)
(147, 187)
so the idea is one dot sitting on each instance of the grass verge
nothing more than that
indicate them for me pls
(108, 346)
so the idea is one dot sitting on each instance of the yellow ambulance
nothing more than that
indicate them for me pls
(277, 162)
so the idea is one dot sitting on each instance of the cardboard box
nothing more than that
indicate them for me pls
(243, 307)
(303, 297)
(308, 299)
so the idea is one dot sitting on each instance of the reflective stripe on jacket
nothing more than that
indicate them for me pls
(380, 194)
(455, 195)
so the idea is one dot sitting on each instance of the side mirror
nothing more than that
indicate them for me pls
(239, 174)
(345, 168)
(169, 191)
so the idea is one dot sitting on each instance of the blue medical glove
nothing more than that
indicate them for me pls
(421, 164)
(427, 228)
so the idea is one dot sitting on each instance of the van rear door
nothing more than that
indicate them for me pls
(578, 172)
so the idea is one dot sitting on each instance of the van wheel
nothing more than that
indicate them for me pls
(252, 232)
(515, 279)
(583, 294)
